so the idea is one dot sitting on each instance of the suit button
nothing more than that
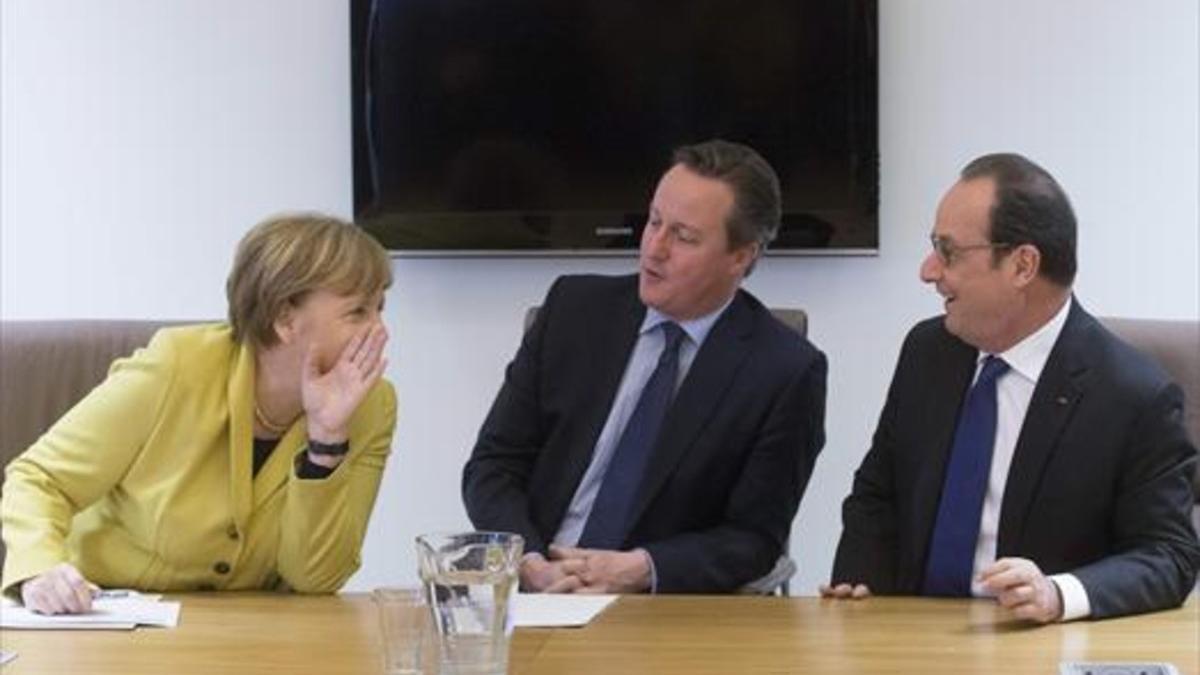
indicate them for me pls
(232, 532)
(221, 567)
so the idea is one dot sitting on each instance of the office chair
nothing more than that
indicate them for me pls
(1174, 345)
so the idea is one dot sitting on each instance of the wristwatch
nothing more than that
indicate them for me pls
(336, 449)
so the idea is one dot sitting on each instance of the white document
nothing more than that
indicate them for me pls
(6, 656)
(549, 610)
(112, 610)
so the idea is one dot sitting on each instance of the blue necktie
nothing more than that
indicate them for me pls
(606, 523)
(952, 547)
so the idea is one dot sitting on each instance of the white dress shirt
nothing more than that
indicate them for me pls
(1014, 389)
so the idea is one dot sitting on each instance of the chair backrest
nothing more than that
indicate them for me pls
(48, 366)
(796, 319)
(1175, 345)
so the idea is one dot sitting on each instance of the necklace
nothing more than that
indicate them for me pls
(267, 423)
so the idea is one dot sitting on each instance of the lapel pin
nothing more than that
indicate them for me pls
(1061, 400)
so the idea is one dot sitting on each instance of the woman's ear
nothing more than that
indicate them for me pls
(285, 324)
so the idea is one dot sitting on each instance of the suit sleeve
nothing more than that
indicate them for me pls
(324, 521)
(868, 549)
(496, 477)
(764, 500)
(1156, 552)
(80, 459)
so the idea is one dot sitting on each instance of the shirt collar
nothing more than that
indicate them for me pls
(1029, 356)
(697, 329)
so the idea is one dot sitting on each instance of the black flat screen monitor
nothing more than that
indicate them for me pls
(523, 126)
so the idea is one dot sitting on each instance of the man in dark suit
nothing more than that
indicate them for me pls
(656, 432)
(1024, 452)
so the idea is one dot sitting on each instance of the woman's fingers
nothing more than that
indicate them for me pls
(365, 350)
(355, 350)
(379, 338)
(80, 598)
(59, 590)
(374, 375)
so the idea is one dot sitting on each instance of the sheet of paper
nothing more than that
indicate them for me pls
(122, 611)
(6, 656)
(546, 610)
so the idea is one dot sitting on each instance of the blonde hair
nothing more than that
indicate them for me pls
(284, 258)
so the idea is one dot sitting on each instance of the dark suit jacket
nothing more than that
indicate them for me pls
(735, 454)
(1100, 483)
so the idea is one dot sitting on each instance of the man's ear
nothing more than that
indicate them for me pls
(745, 256)
(1027, 262)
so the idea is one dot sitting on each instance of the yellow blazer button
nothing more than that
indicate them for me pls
(221, 567)
(232, 532)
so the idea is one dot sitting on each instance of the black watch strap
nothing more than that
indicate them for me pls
(337, 449)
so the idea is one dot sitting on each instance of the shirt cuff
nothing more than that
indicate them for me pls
(1075, 603)
(653, 573)
(532, 555)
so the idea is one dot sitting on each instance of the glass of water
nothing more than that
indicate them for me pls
(470, 579)
(404, 628)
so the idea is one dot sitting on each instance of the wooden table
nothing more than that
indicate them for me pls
(262, 633)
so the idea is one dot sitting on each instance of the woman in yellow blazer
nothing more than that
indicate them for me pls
(240, 455)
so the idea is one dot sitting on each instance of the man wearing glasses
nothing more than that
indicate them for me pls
(1023, 452)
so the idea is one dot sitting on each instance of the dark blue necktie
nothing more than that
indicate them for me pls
(952, 547)
(605, 528)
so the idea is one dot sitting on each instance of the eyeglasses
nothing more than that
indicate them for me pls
(948, 251)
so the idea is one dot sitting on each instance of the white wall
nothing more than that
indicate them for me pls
(138, 139)
(141, 138)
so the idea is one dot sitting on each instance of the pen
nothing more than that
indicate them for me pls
(109, 594)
